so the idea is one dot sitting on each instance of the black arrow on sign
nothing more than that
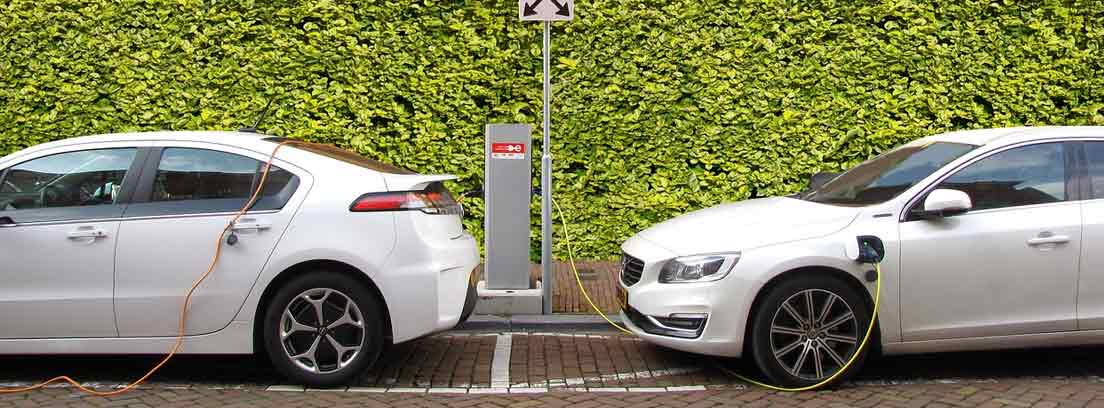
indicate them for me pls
(562, 8)
(531, 9)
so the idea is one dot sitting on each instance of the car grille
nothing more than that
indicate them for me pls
(631, 269)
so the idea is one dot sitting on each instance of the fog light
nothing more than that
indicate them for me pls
(687, 326)
(683, 323)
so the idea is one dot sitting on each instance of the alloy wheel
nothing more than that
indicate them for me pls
(322, 331)
(813, 333)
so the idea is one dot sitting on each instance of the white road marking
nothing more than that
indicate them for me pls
(285, 388)
(337, 389)
(500, 363)
(628, 376)
(686, 388)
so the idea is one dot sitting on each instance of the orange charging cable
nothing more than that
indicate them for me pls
(187, 300)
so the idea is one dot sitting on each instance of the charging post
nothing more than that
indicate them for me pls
(507, 189)
(546, 11)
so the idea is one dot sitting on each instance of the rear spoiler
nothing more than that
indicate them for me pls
(413, 182)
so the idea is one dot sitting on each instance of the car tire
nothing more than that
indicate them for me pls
(782, 331)
(470, 300)
(347, 342)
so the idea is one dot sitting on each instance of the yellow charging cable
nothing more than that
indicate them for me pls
(579, 280)
(184, 308)
(850, 361)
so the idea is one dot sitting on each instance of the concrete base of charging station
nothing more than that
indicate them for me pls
(509, 302)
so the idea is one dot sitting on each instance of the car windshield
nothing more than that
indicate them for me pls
(880, 179)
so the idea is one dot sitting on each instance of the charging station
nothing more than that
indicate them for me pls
(507, 189)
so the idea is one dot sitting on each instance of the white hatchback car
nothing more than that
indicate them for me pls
(341, 256)
(988, 239)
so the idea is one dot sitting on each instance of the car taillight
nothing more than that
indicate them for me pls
(433, 200)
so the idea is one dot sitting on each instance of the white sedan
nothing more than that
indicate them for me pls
(988, 238)
(341, 256)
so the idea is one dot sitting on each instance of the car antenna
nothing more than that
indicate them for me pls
(264, 113)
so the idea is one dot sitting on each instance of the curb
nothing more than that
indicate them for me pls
(553, 322)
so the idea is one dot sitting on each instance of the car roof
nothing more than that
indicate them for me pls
(241, 139)
(174, 135)
(1011, 135)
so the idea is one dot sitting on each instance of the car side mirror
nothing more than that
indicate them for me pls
(944, 202)
(6, 221)
(821, 178)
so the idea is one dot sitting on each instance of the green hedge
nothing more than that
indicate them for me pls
(661, 106)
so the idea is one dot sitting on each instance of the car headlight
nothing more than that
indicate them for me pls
(698, 268)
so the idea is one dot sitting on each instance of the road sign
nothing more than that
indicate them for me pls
(546, 10)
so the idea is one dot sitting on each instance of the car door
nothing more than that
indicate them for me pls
(1008, 266)
(169, 234)
(59, 221)
(1090, 290)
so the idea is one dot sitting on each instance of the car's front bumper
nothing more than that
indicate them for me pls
(722, 304)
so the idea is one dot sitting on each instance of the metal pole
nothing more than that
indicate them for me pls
(546, 177)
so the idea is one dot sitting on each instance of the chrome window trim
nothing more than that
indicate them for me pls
(125, 219)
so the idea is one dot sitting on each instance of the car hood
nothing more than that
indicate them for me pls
(749, 224)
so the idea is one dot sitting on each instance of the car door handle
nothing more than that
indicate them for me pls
(1049, 239)
(87, 233)
(240, 226)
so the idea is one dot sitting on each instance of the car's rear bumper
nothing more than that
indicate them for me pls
(427, 282)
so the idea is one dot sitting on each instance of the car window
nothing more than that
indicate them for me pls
(74, 179)
(1022, 176)
(190, 180)
(884, 177)
(1094, 152)
(194, 174)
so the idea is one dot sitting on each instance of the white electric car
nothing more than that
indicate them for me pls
(100, 238)
(988, 236)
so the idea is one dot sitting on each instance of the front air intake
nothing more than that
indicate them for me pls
(631, 269)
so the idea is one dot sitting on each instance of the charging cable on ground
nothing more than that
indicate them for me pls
(187, 298)
(865, 250)
(579, 280)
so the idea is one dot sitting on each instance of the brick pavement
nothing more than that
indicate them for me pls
(578, 369)
(1013, 393)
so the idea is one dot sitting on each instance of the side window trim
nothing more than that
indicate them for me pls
(4, 175)
(1078, 183)
(133, 175)
(907, 213)
(144, 190)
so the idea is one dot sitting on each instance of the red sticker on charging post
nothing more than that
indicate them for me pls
(511, 151)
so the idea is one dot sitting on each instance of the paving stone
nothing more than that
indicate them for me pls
(905, 395)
